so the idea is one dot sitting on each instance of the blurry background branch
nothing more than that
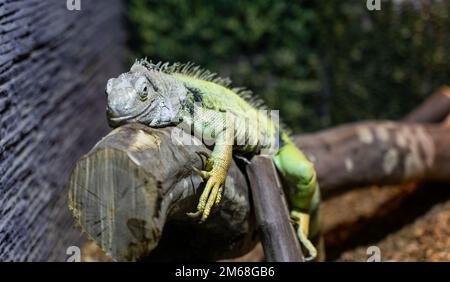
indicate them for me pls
(368, 153)
(384, 152)
(434, 109)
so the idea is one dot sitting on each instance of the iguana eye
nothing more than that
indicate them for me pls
(143, 94)
(142, 88)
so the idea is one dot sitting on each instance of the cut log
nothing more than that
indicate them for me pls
(278, 236)
(132, 191)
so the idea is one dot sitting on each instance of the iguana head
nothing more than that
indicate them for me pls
(145, 96)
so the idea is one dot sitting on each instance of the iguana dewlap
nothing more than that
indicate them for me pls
(160, 95)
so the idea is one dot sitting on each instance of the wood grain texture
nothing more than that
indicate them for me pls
(53, 67)
(132, 191)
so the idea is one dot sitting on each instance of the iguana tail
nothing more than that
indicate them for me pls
(303, 192)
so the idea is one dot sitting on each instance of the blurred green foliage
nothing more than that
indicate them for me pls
(320, 63)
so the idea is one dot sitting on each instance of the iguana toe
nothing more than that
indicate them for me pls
(202, 173)
(212, 194)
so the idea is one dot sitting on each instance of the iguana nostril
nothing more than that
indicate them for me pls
(113, 106)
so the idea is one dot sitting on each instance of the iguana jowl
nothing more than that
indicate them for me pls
(160, 95)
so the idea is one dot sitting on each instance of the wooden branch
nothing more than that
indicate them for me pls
(278, 236)
(131, 192)
(366, 153)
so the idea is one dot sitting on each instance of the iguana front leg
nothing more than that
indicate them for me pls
(219, 162)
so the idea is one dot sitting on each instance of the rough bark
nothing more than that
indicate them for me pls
(53, 67)
(132, 191)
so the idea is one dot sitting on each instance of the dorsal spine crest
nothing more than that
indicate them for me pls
(195, 71)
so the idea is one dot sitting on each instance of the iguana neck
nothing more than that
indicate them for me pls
(187, 109)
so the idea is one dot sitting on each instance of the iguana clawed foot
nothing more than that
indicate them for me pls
(212, 193)
(301, 220)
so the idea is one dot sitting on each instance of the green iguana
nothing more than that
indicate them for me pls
(160, 95)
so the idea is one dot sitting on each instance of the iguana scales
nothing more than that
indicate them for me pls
(164, 94)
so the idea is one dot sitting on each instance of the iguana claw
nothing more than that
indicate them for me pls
(196, 214)
(214, 171)
(202, 173)
(201, 153)
(209, 163)
(212, 193)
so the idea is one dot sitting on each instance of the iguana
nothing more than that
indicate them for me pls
(164, 94)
